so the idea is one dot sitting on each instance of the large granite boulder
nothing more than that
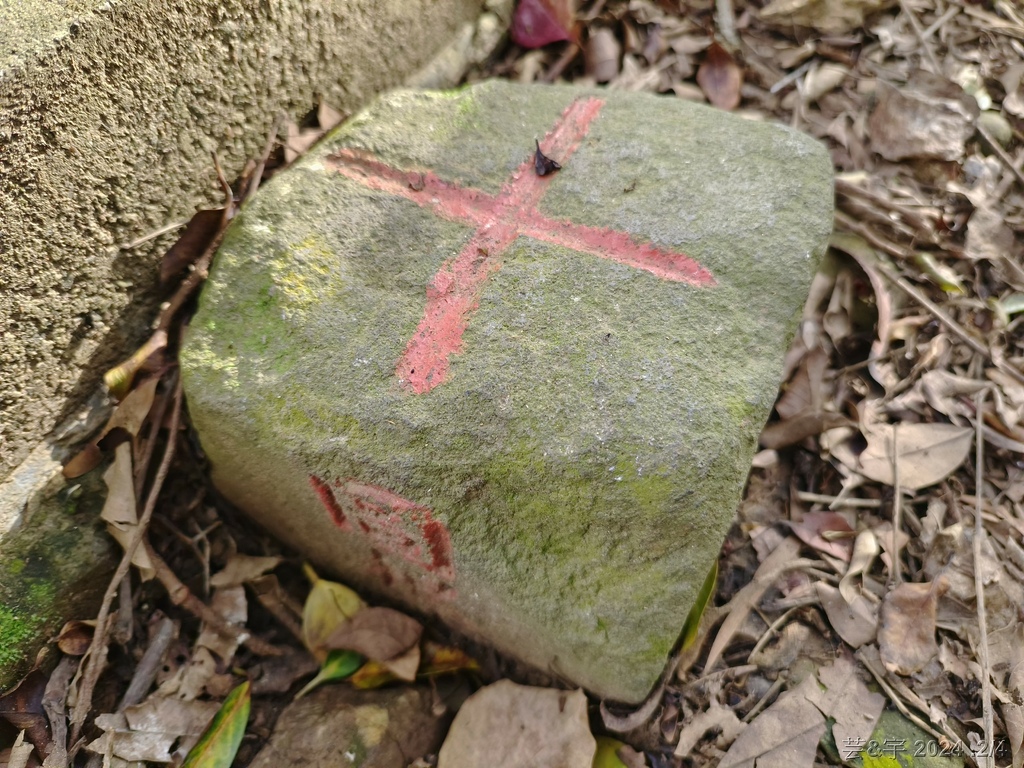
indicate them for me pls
(524, 403)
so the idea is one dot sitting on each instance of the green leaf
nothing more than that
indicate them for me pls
(703, 598)
(945, 277)
(219, 743)
(607, 754)
(337, 666)
(328, 605)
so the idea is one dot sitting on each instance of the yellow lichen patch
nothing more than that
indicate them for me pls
(296, 274)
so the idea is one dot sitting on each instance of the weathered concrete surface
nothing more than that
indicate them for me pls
(524, 404)
(108, 114)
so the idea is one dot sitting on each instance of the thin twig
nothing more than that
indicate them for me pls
(1000, 152)
(97, 653)
(897, 507)
(936, 69)
(257, 174)
(149, 664)
(182, 595)
(834, 502)
(152, 235)
(727, 21)
(986, 759)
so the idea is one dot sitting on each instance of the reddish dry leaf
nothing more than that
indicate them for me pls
(906, 633)
(811, 423)
(720, 77)
(814, 531)
(84, 461)
(200, 231)
(539, 22)
(380, 634)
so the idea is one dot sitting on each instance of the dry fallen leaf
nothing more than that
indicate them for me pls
(930, 117)
(602, 55)
(505, 725)
(241, 569)
(380, 634)
(927, 453)
(855, 621)
(906, 632)
(847, 700)
(720, 77)
(327, 606)
(785, 734)
(832, 17)
(155, 730)
(539, 22)
(827, 532)
(119, 511)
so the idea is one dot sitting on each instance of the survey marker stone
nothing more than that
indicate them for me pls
(523, 403)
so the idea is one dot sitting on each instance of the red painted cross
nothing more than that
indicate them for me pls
(454, 292)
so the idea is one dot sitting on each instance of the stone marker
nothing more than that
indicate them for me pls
(526, 404)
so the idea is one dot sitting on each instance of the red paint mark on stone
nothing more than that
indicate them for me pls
(454, 292)
(327, 497)
(395, 526)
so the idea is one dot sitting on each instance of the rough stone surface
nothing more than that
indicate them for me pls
(53, 568)
(526, 405)
(336, 725)
(108, 114)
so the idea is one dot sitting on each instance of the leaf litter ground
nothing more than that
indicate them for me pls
(846, 627)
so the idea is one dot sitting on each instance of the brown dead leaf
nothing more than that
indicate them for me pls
(405, 665)
(131, 413)
(787, 733)
(1013, 706)
(782, 558)
(827, 532)
(119, 511)
(930, 117)
(241, 569)
(156, 730)
(505, 725)
(927, 453)
(602, 55)
(792, 431)
(205, 674)
(720, 77)
(84, 461)
(847, 700)
(856, 621)
(906, 632)
(865, 550)
(380, 634)
(75, 637)
(715, 717)
(830, 17)
(199, 233)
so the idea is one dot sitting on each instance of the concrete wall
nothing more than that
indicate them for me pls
(108, 114)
